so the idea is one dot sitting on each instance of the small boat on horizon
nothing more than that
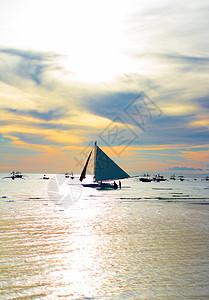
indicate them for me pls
(14, 175)
(145, 178)
(71, 175)
(158, 178)
(173, 177)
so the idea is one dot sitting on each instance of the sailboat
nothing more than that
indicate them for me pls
(105, 169)
(15, 175)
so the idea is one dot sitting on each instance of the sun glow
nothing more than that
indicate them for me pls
(90, 35)
(93, 49)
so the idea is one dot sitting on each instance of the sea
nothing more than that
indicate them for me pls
(147, 240)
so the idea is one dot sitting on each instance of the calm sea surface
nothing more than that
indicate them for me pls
(145, 241)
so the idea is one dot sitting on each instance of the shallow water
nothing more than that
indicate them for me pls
(145, 241)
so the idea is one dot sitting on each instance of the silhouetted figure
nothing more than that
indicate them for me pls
(119, 184)
(13, 175)
(115, 185)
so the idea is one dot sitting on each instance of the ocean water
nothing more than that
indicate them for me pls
(145, 241)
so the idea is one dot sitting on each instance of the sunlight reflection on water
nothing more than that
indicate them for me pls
(107, 246)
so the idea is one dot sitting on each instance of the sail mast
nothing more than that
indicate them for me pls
(95, 154)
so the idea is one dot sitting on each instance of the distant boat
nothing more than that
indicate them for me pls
(145, 178)
(206, 178)
(173, 177)
(71, 175)
(45, 177)
(181, 178)
(105, 169)
(18, 174)
(159, 177)
(14, 175)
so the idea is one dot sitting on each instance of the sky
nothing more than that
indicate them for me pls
(131, 74)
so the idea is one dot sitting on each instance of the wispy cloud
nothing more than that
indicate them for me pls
(31, 138)
(46, 116)
(177, 168)
(17, 66)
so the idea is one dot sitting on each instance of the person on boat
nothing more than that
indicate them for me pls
(71, 175)
(119, 184)
(115, 185)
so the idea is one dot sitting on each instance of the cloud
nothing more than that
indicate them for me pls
(177, 168)
(46, 116)
(134, 107)
(31, 138)
(172, 25)
(19, 65)
(88, 109)
(55, 126)
(109, 104)
(203, 101)
(30, 56)
(203, 122)
(198, 158)
(171, 38)
(178, 108)
(192, 62)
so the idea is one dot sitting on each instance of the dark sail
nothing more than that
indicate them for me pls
(83, 174)
(106, 168)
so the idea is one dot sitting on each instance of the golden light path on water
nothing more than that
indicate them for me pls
(144, 242)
